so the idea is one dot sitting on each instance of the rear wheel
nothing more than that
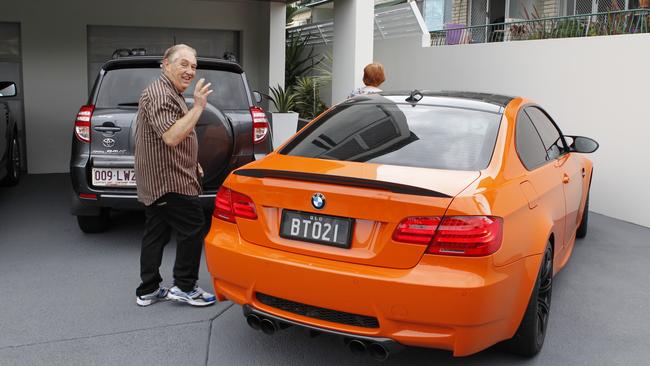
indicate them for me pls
(529, 339)
(582, 229)
(13, 162)
(94, 224)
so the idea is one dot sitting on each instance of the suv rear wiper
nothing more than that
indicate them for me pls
(131, 104)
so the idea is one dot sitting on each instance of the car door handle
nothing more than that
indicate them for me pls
(107, 129)
(565, 178)
(583, 172)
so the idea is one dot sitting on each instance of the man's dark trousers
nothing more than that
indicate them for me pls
(184, 215)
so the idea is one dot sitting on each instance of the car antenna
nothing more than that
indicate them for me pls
(415, 97)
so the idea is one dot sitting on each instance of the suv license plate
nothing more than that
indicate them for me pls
(315, 228)
(114, 177)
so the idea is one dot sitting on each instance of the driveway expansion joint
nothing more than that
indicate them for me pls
(207, 349)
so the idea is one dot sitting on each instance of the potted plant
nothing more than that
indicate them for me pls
(284, 120)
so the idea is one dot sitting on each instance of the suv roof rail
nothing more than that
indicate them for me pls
(125, 52)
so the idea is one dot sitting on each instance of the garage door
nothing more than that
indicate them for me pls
(103, 41)
(11, 70)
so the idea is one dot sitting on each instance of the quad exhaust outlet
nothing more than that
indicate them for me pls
(379, 349)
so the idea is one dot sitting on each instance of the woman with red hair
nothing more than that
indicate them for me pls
(373, 77)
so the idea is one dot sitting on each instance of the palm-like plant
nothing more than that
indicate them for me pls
(308, 101)
(296, 64)
(284, 100)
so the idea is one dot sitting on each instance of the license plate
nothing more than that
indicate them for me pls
(315, 228)
(114, 177)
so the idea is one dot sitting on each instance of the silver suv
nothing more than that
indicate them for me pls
(231, 131)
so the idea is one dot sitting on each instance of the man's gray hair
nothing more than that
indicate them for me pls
(170, 54)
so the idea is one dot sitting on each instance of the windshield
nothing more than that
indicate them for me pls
(425, 136)
(122, 87)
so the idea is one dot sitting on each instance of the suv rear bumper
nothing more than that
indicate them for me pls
(121, 201)
(120, 198)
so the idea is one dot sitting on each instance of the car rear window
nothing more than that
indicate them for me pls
(440, 137)
(122, 87)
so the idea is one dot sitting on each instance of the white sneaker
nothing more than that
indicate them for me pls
(196, 297)
(148, 299)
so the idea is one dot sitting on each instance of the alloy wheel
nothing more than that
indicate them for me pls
(544, 293)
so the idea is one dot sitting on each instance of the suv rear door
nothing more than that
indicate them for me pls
(115, 116)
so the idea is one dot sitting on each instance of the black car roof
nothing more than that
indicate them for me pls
(154, 61)
(493, 103)
(496, 99)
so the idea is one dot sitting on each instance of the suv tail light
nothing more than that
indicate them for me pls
(230, 204)
(260, 124)
(82, 123)
(469, 236)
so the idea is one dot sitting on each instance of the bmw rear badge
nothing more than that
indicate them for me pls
(318, 200)
(108, 142)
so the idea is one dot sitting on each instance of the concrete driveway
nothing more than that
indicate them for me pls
(67, 298)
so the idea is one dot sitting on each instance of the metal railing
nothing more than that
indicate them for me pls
(584, 25)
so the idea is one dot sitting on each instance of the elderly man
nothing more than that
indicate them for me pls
(168, 176)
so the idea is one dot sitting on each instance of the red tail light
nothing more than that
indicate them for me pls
(416, 230)
(260, 124)
(82, 123)
(230, 204)
(470, 236)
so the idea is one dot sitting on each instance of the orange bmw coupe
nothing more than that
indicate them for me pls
(423, 219)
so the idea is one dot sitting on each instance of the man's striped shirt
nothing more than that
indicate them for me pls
(159, 168)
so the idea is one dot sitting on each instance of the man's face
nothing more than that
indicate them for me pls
(181, 69)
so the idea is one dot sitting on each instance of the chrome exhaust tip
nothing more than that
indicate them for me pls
(254, 321)
(268, 326)
(357, 347)
(378, 351)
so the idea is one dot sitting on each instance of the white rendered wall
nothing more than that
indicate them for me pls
(597, 87)
(55, 62)
(277, 38)
(353, 43)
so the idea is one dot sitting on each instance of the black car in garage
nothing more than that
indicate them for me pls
(231, 131)
(9, 142)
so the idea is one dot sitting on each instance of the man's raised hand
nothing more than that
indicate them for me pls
(201, 93)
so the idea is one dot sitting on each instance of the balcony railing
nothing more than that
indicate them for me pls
(585, 25)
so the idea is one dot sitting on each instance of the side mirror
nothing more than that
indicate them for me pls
(581, 144)
(7, 89)
(258, 97)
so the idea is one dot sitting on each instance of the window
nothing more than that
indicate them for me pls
(550, 135)
(122, 87)
(528, 143)
(437, 13)
(384, 132)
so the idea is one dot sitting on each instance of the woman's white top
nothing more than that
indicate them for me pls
(364, 91)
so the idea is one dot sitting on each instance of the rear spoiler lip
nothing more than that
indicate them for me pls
(340, 180)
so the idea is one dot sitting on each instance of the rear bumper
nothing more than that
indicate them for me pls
(124, 198)
(120, 201)
(435, 304)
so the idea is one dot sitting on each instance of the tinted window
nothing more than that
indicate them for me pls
(547, 130)
(400, 134)
(529, 145)
(124, 86)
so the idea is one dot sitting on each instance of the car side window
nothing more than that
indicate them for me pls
(551, 136)
(529, 145)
